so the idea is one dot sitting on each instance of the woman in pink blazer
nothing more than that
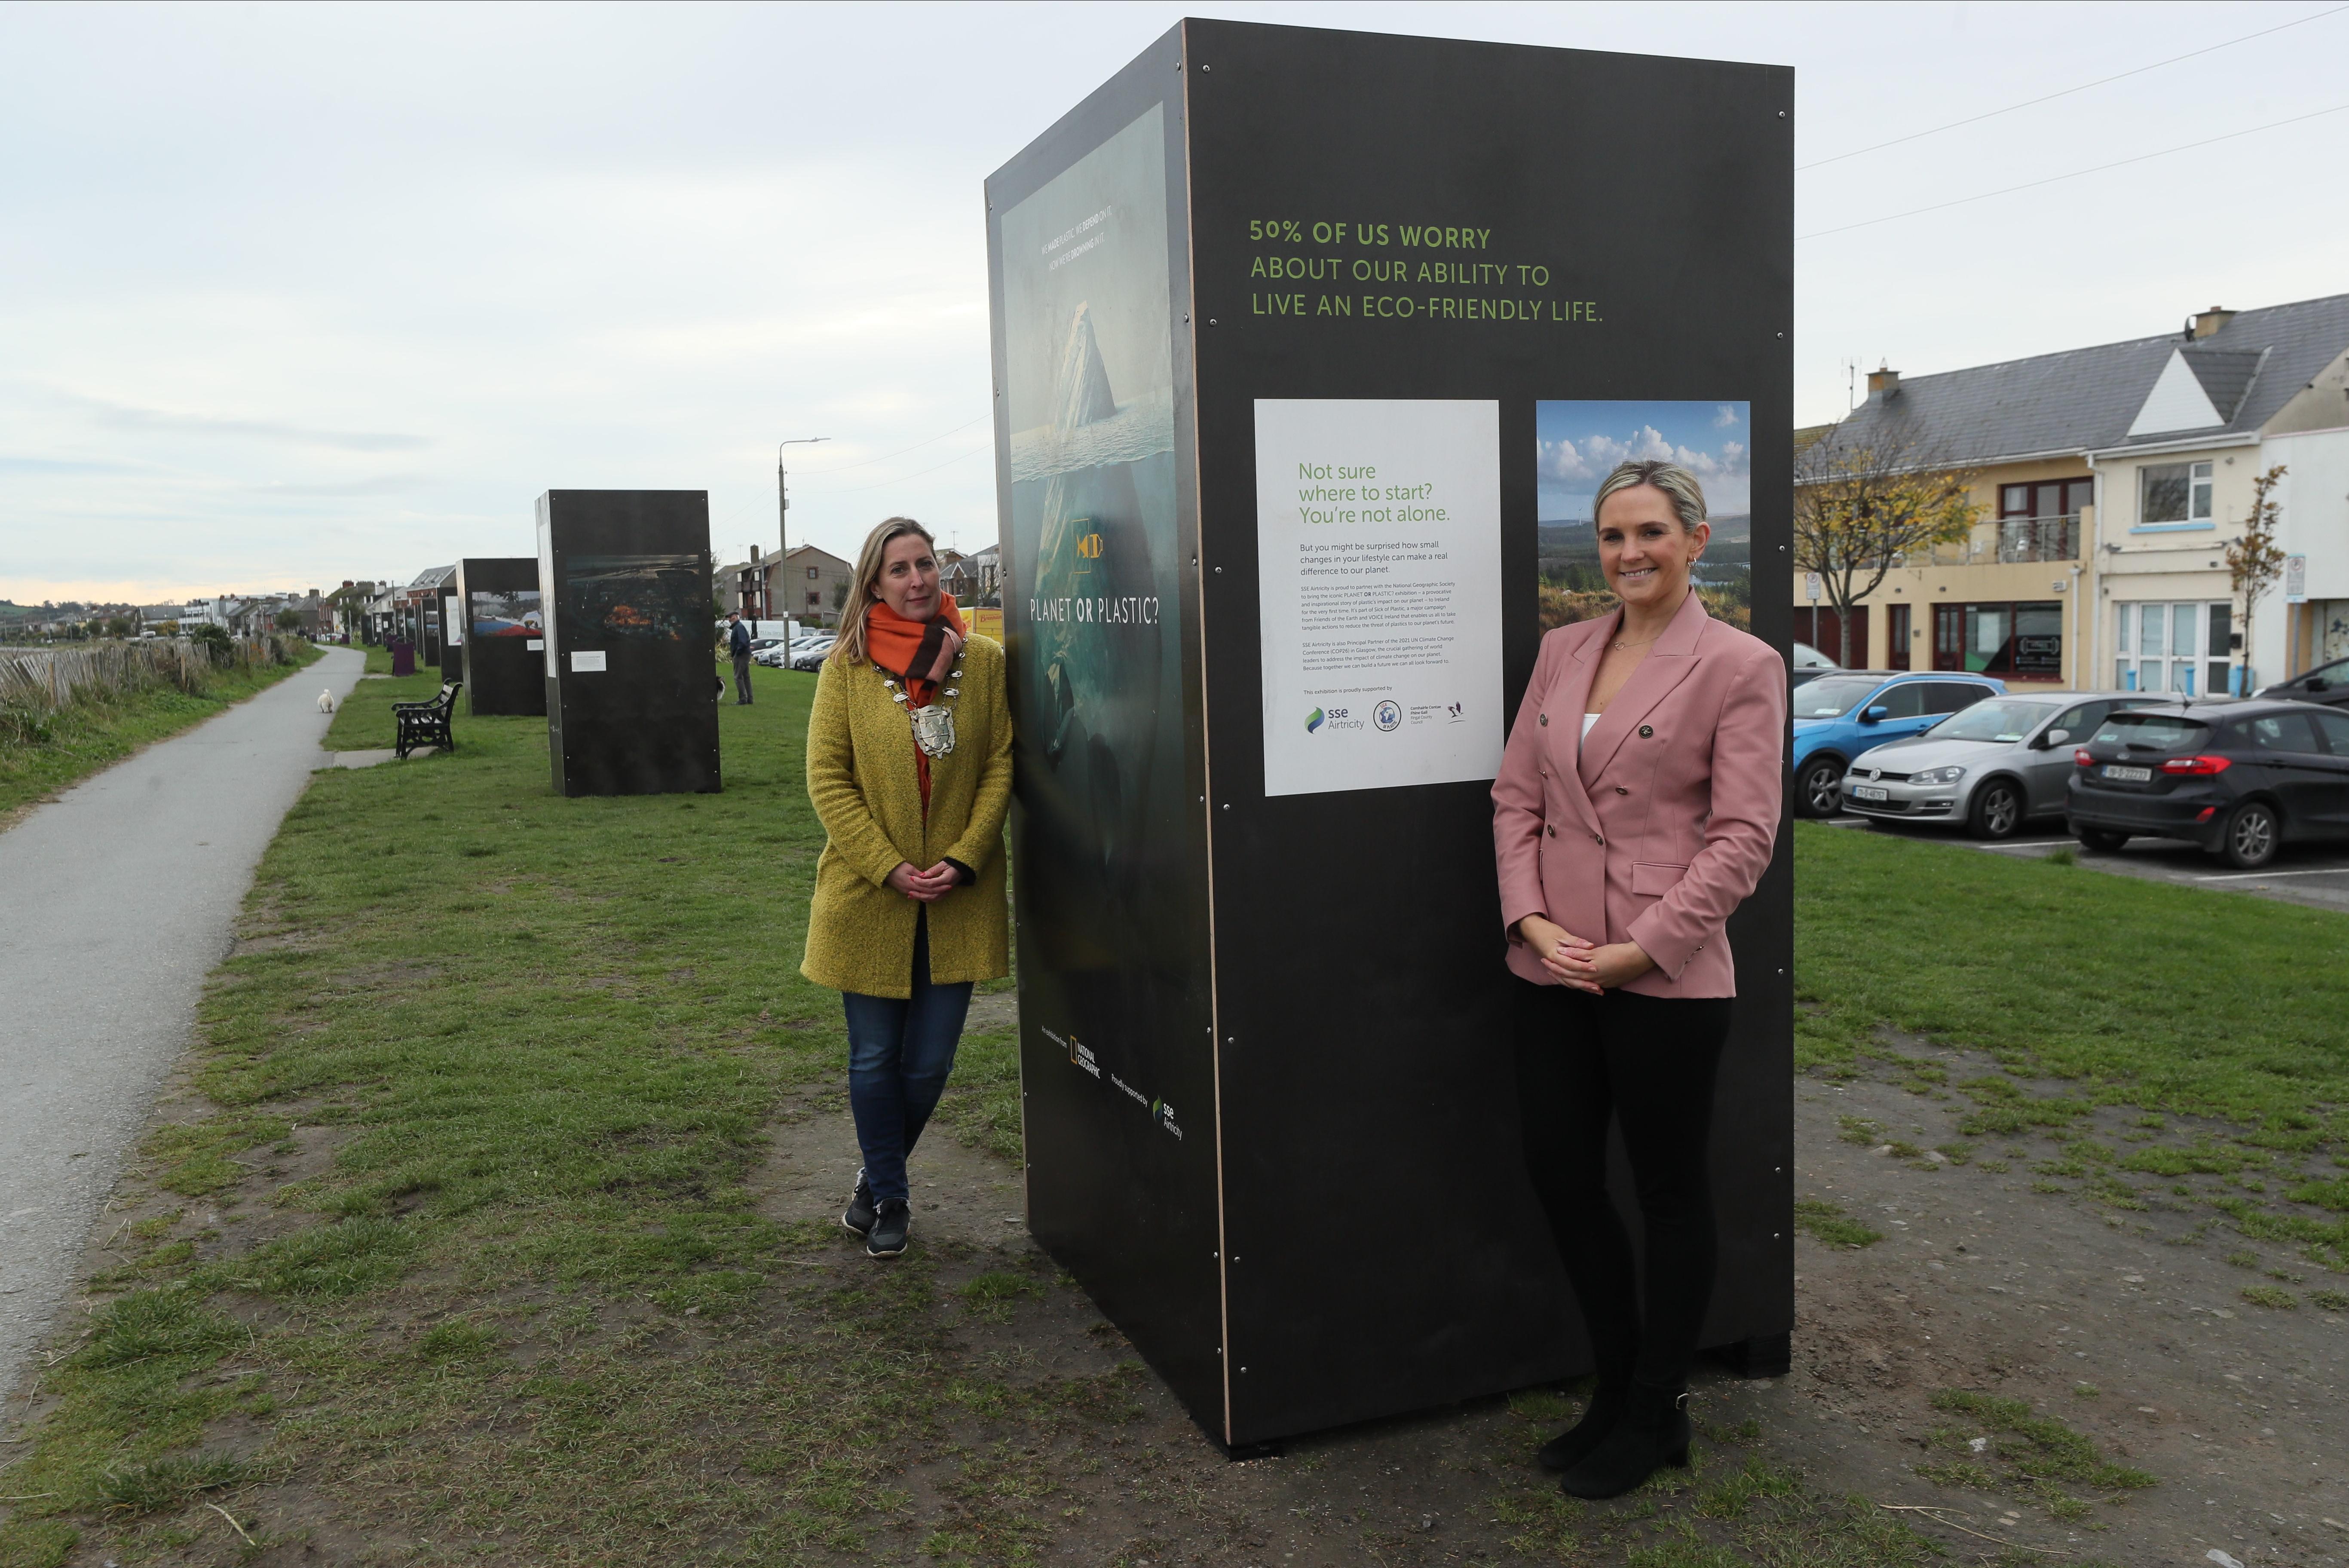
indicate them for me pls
(1636, 808)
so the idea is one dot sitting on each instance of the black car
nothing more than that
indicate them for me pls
(2239, 779)
(2325, 684)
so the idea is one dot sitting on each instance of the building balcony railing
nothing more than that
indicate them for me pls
(2015, 540)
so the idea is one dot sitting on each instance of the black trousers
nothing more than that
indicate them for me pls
(1648, 1063)
(741, 677)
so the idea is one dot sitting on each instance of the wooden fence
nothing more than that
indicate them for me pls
(42, 681)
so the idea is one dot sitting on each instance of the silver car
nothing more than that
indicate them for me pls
(1993, 767)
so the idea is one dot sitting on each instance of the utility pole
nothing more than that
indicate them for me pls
(783, 516)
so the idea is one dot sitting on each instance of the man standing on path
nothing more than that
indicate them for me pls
(737, 643)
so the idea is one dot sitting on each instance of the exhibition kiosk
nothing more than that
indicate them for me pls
(631, 708)
(503, 624)
(1308, 349)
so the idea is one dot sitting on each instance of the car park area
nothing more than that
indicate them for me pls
(1993, 769)
(2312, 874)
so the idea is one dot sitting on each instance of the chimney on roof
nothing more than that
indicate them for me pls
(754, 555)
(2208, 322)
(1883, 379)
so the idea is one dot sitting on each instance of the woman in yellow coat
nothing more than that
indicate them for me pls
(909, 766)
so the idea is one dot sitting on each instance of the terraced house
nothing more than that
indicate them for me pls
(2109, 481)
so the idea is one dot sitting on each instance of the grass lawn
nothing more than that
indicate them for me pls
(363, 722)
(96, 732)
(489, 1079)
(2226, 1013)
(2172, 999)
(457, 1254)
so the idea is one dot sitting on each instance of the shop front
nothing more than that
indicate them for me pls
(2021, 640)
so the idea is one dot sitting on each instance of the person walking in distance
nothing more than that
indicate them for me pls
(909, 766)
(737, 643)
(1637, 807)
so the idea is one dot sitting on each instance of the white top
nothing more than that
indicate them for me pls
(1587, 720)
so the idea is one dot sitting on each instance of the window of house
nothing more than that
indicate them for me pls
(2024, 639)
(2173, 495)
(2047, 498)
(811, 571)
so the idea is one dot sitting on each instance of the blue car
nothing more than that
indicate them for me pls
(1839, 716)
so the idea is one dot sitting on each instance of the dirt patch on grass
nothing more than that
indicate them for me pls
(2016, 1271)
(1049, 1441)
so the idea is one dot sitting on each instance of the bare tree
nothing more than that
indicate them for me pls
(1860, 506)
(2255, 561)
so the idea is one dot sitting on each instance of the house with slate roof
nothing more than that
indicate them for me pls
(2111, 480)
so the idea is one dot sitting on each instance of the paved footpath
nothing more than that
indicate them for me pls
(115, 901)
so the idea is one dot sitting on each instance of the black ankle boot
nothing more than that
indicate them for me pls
(1653, 1432)
(1569, 1448)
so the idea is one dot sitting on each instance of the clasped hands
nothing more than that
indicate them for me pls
(924, 887)
(1576, 962)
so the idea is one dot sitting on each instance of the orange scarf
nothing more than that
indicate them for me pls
(920, 652)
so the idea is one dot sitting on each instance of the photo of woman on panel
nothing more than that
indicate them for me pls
(1636, 808)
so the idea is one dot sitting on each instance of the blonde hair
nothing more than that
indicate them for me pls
(864, 593)
(1679, 485)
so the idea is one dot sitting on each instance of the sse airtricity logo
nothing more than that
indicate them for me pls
(1386, 715)
(1313, 721)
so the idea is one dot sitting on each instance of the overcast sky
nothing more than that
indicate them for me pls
(292, 295)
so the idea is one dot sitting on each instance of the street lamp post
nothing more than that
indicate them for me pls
(783, 516)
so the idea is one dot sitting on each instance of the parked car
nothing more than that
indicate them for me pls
(2327, 684)
(2239, 779)
(1839, 716)
(774, 656)
(811, 655)
(1990, 767)
(1809, 664)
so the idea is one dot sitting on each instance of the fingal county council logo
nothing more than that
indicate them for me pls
(1386, 715)
(1313, 721)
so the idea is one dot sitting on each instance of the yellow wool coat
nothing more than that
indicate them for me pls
(860, 777)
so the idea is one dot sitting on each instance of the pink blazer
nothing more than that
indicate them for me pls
(1663, 822)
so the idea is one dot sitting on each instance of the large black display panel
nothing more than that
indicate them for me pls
(631, 704)
(505, 649)
(1310, 347)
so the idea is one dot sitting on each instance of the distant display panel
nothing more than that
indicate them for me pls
(650, 598)
(507, 612)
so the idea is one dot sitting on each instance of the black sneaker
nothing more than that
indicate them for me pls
(859, 1214)
(891, 1218)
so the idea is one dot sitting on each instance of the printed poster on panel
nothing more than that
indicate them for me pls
(1090, 385)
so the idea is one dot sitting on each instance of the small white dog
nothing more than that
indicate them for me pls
(327, 700)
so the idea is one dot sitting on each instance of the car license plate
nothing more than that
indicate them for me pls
(2128, 775)
(1867, 792)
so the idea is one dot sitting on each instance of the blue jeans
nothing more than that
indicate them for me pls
(899, 1053)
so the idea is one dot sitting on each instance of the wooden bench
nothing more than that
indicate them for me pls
(425, 724)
